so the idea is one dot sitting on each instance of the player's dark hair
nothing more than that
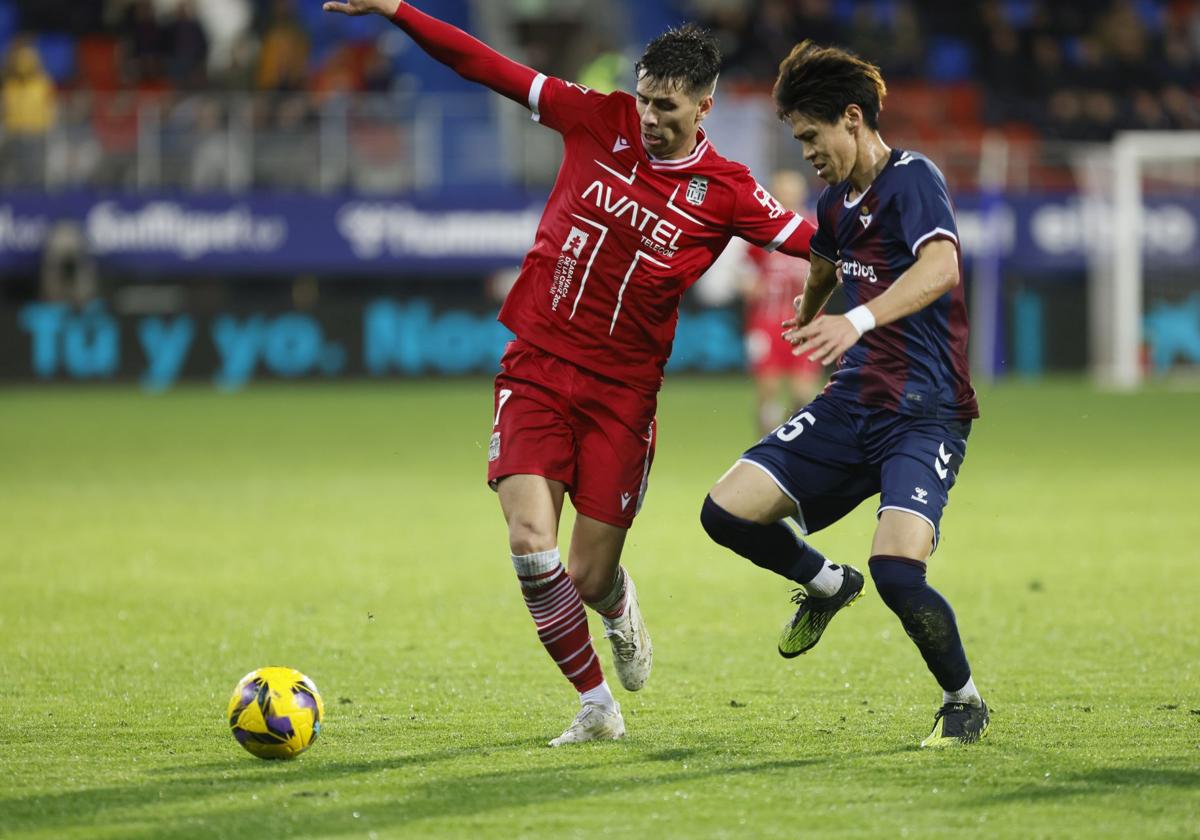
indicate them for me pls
(820, 82)
(688, 56)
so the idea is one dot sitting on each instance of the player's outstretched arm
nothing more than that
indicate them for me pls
(467, 56)
(364, 7)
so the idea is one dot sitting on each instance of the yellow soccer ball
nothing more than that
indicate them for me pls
(275, 712)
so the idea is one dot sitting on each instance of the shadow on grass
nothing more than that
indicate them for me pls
(238, 775)
(1096, 782)
(674, 754)
(478, 794)
(162, 800)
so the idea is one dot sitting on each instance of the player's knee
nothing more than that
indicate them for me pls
(896, 578)
(721, 526)
(526, 536)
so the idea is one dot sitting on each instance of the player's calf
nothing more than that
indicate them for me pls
(557, 612)
(926, 616)
(825, 587)
(625, 629)
(774, 546)
(930, 622)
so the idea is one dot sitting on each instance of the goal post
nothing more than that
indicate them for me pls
(1116, 272)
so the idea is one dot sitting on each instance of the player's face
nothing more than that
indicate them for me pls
(830, 147)
(670, 117)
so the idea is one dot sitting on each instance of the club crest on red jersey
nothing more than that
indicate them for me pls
(697, 190)
(576, 240)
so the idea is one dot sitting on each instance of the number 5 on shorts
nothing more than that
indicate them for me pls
(794, 427)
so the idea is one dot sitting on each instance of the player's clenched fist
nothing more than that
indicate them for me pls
(364, 7)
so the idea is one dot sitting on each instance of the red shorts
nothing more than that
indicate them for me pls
(594, 434)
(768, 354)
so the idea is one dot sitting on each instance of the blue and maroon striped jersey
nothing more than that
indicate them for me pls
(918, 364)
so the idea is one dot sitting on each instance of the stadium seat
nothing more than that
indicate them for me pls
(1151, 14)
(58, 55)
(843, 11)
(885, 12)
(1018, 13)
(97, 62)
(911, 103)
(8, 24)
(963, 103)
(949, 60)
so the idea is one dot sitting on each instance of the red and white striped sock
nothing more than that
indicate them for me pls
(613, 604)
(557, 611)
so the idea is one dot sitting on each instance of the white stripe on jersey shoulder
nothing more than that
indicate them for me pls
(935, 232)
(783, 234)
(682, 163)
(535, 96)
(628, 179)
(847, 203)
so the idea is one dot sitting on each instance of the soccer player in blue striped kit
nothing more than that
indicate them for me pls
(896, 414)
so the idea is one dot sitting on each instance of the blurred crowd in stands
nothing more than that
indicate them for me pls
(1073, 69)
(1061, 70)
(87, 71)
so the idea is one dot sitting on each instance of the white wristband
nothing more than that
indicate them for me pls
(861, 318)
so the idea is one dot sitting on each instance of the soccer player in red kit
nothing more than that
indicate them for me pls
(783, 381)
(642, 206)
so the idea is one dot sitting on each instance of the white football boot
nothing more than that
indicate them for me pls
(633, 653)
(593, 723)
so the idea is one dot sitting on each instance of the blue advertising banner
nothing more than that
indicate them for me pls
(1056, 232)
(483, 231)
(274, 233)
(379, 337)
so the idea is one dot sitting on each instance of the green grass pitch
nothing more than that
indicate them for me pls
(153, 549)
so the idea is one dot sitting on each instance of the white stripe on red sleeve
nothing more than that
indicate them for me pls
(787, 231)
(535, 96)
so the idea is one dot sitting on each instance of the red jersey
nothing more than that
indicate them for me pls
(778, 279)
(623, 234)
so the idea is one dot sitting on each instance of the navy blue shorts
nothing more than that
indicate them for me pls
(832, 455)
